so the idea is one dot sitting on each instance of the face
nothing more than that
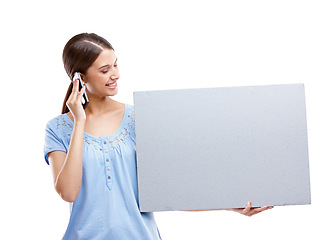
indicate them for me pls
(101, 77)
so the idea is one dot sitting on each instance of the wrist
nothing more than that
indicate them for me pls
(79, 122)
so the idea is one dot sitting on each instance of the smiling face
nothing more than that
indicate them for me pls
(101, 77)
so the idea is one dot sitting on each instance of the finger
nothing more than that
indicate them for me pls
(80, 94)
(258, 210)
(75, 87)
(264, 208)
(247, 208)
(74, 96)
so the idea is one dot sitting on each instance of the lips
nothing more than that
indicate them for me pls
(111, 85)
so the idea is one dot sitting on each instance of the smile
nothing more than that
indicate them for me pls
(111, 86)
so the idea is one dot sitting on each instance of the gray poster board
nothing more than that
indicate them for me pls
(215, 148)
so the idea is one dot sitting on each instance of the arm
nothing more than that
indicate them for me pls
(247, 211)
(67, 167)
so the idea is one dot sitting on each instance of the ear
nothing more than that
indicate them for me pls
(83, 77)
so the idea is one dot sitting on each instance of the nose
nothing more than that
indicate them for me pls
(115, 75)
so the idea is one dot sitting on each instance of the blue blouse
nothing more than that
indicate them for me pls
(107, 205)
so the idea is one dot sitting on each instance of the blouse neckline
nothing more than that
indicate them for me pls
(119, 130)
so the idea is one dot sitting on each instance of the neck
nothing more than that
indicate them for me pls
(99, 105)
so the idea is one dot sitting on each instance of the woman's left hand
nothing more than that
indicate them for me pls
(249, 211)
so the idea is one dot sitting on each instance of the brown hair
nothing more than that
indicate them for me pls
(79, 54)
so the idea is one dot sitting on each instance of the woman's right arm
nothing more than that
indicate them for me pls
(67, 167)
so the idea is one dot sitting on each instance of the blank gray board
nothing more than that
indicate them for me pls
(215, 148)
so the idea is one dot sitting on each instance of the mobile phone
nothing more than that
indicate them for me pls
(84, 100)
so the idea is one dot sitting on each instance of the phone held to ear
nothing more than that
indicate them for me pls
(84, 100)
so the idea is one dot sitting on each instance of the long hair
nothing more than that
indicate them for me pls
(79, 54)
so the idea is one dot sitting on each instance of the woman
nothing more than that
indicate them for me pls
(92, 152)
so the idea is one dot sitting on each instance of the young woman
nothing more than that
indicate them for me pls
(92, 151)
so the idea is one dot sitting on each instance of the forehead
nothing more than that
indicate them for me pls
(107, 56)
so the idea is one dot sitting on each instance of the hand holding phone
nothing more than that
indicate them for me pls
(84, 99)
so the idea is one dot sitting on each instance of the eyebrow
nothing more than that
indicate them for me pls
(108, 65)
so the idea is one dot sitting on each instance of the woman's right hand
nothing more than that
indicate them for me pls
(74, 102)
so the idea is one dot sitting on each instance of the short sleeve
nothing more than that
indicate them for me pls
(53, 140)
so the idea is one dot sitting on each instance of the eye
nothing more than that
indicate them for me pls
(105, 71)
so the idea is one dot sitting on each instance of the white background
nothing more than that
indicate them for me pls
(160, 45)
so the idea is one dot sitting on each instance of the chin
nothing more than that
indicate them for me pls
(114, 93)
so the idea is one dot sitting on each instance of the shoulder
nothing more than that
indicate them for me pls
(59, 124)
(130, 111)
(130, 120)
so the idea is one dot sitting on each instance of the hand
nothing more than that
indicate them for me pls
(248, 211)
(74, 102)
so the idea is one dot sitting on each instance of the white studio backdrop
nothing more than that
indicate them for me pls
(160, 45)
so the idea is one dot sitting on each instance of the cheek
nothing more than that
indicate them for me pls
(97, 82)
(101, 78)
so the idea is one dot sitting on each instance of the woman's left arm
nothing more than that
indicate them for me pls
(247, 211)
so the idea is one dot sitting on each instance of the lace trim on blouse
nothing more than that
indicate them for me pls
(127, 130)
